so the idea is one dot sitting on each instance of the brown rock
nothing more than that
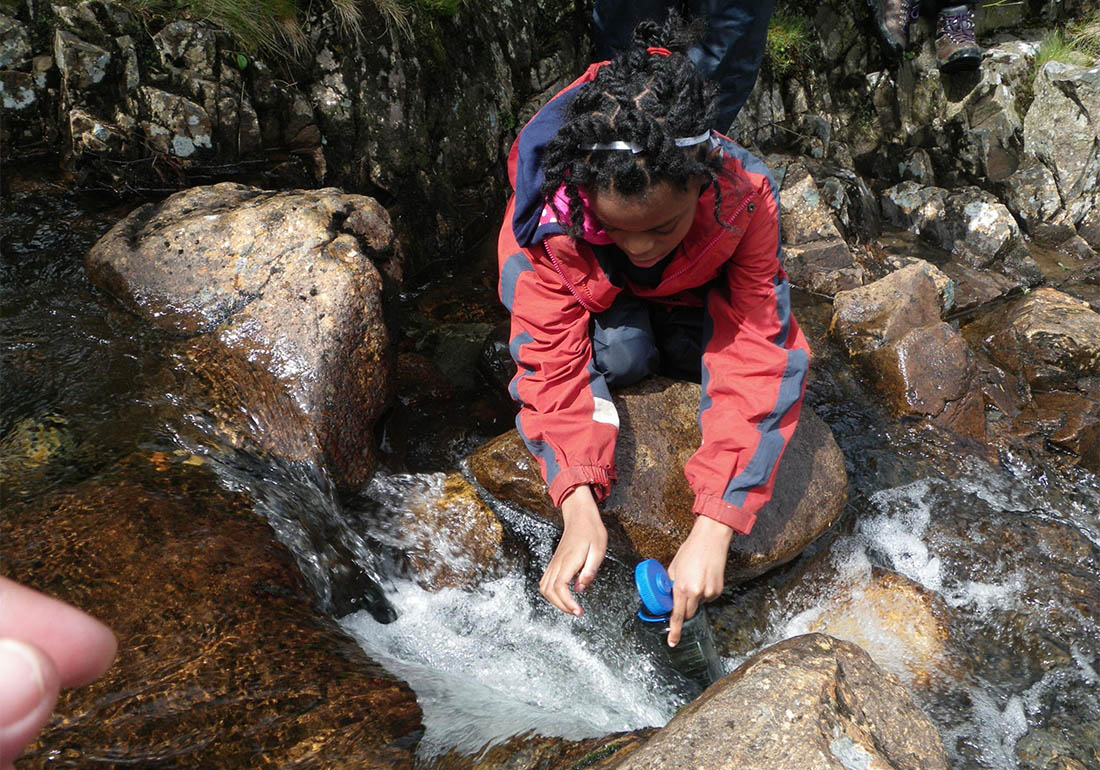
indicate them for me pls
(535, 752)
(926, 371)
(1049, 337)
(811, 702)
(223, 660)
(649, 510)
(449, 537)
(283, 292)
(902, 625)
(866, 318)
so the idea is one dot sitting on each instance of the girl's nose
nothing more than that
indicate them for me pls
(637, 245)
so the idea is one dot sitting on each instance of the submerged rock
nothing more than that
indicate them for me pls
(810, 702)
(649, 510)
(223, 660)
(283, 296)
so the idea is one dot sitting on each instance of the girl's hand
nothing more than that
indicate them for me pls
(698, 571)
(581, 549)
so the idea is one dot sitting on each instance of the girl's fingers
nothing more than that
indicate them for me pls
(591, 567)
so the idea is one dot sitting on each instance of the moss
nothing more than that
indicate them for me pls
(788, 42)
(596, 755)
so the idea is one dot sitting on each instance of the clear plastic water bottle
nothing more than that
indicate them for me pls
(694, 657)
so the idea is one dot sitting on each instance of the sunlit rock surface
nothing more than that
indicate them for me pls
(283, 293)
(810, 702)
(649, 510)
(921, 365)
(223, 660)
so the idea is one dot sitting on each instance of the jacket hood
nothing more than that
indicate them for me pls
(529, 225)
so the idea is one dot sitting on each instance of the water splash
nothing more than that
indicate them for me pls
(487, 665)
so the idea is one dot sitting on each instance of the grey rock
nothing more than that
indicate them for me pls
(82, 64)
(17, 90)
(1031, 193)
(189, 49)
(173, 124)
(15, 43)
(1062, 129)
(90, 133)
(917, 168)
(811, 702)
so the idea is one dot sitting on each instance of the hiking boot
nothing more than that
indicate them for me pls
(956, 48)
(892, 18)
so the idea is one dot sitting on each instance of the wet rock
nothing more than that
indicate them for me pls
(535, 752)
(223, 660)
(285, 295)
(969, 222)
(649, 510)
(808, 702)
(974, 287)
(929, 372)
(869, 317)
(922, 366)
(1050, 338)
(1069, 421)
(903, 626)
(445, 534)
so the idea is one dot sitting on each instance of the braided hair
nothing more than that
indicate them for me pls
(641, 98)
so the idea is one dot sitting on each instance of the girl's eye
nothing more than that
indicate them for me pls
(666, 231)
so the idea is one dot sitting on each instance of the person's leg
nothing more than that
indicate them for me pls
(613, 22)
(732, 50)
(678, 332)
(623, 348)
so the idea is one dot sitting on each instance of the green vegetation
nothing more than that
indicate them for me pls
(788, 42)
(1078, 43)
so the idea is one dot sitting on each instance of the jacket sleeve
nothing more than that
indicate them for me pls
(755, 362)
(566, 416)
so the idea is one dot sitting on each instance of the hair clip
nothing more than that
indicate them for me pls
(681, 141)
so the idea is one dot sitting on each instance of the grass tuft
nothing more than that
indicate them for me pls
(788, 42)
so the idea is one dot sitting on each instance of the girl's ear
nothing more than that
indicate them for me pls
(714, 152)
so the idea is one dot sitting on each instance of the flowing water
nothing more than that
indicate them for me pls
(1009, 545)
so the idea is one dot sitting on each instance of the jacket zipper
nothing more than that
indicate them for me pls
(737, 212)
(564, 280)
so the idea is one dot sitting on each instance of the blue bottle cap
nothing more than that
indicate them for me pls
(654, 587)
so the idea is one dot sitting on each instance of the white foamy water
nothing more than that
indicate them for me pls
(486, 665)
(990, 718)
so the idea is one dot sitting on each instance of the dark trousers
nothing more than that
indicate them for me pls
(634, 338)
(729, 54)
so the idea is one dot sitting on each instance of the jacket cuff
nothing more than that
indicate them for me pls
(740, 520)
(568, 479)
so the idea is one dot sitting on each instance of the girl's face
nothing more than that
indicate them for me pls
(646, 227)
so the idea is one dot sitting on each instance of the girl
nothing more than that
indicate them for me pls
(639, 241)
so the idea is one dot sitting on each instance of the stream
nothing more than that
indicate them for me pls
(1010, 544)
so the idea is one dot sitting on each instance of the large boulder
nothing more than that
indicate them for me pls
(282, 295)
(811, 702)
(649, 510)
(223, 659)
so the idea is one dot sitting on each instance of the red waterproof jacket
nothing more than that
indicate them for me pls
(755, 357)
